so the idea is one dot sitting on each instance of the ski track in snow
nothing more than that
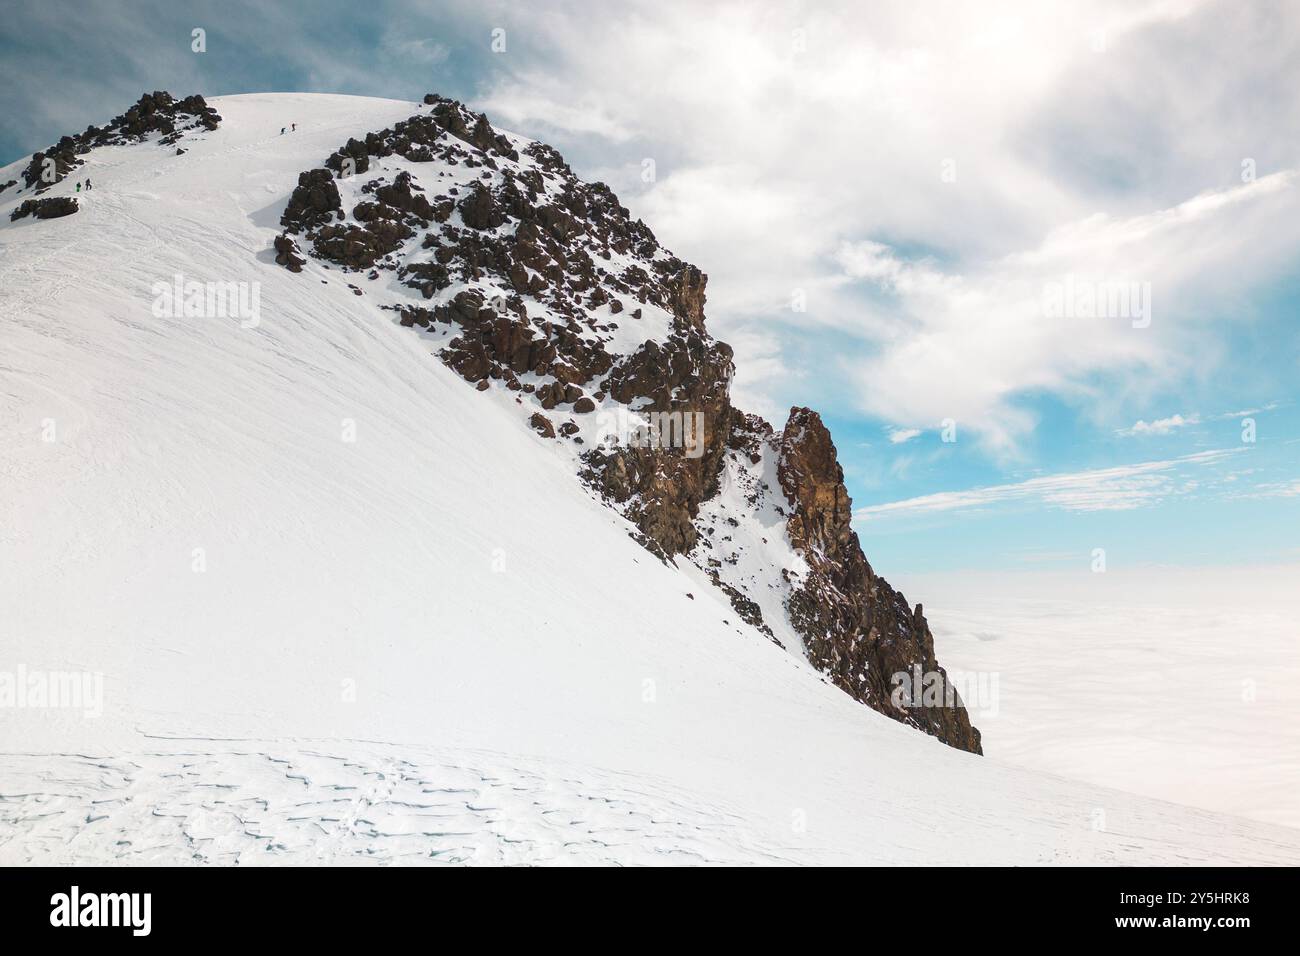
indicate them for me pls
(333, 806)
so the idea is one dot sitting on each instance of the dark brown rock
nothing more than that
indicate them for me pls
(479, 210)
(542, 425)
(857, 629)
(52, 208)
(286, 253)
(314, 201)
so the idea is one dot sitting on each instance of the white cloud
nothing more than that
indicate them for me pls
(520, 107)
(1273, 489)
(804, 150)
(1120, 488)
(899, 435)
(1160, 426)
(750, 389)
(424, 51)
(1245, 412)
(973, 343)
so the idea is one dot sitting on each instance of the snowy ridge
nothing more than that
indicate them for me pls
(412, 636)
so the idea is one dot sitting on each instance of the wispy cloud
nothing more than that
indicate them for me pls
(1273, 489)
(1159, 426)
(425, 51)
(1103, 489)
(899, 435)
(518, 106)
(1245, 412)
(970, 343)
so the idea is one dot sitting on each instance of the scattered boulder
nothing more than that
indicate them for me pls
(51, 208)
(286, 253)
(479, 210)
(359, 248)
(542, 425)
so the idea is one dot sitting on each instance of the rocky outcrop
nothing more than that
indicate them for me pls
(51, 208)
(662, 479)
(546, 285)
(857, 629)
(156, 113)
(314, 202)
(286, 253)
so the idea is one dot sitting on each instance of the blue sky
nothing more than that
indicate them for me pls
(888, 203)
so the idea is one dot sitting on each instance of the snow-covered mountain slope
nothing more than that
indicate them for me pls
(345, 607)
(543, 291)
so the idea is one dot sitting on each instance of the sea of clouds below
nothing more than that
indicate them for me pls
(1176, 683)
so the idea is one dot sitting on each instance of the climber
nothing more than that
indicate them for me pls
(88, 186)
(78, 185)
